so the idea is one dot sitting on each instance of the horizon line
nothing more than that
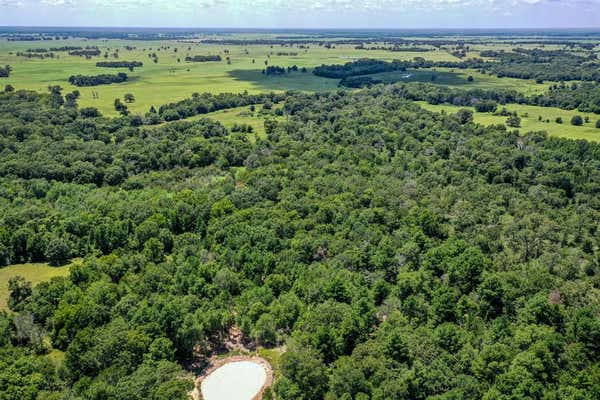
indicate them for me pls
(301, 28)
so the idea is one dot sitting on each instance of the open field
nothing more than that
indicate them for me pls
(34, 273)
(530, 119)
(459, 79)
(171, 80)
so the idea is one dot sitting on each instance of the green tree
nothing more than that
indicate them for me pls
(19, 290)
(577, 120)
(513, 121)
(58, 251)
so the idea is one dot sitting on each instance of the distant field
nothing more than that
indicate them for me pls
(34, 273)
(168, 80)
(240, 115)
(459, 79)
(531, 122)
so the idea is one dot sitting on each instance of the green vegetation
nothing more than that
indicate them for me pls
(429, 234)
(533, 119)
(34, 273)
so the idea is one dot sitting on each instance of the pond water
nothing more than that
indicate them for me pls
(241, 380)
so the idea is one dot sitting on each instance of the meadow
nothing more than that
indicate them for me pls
(32, 272)
(530, 119)
(170, 80)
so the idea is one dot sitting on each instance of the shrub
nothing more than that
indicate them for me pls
(513, 121)
(577, 120)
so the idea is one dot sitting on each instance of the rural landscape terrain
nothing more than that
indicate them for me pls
(331, 214)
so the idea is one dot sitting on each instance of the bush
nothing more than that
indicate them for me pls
(577, 120)
(513, 121)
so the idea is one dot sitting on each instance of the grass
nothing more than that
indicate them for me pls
(241, 115)
(530, 120)
(459, 79)
(168, 80)
(34, 273)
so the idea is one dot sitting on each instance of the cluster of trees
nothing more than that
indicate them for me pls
(205, 103)
(51, 49)
(364, 66)
(559, 65)
(277, 70)
(41, 55)
(95, 80)
(87, 52)
(5, 71)
(199, 58)
(583, 96)
(395, 48)
(399, 254)
(119, 64)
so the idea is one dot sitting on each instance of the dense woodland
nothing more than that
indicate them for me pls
(399, 254)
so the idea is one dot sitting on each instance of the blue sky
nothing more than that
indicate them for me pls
(304, 14)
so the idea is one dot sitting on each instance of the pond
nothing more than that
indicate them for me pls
(240, 380)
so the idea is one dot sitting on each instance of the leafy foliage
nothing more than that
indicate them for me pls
(399, 254)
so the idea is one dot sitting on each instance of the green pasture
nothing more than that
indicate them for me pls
(458, 78)
(530, 121)
(240, 115)
(34, 273)
(168, 80)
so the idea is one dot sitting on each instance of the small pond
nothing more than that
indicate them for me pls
(240, 380)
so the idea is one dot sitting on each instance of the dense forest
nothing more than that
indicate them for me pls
(95, 80)
(399, 254)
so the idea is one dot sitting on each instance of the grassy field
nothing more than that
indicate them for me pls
(34, 273)
(172, 79)
(169, 80)
(530, 120)
(241, 115)
(459, 79)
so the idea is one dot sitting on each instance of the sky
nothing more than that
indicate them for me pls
(399, 14)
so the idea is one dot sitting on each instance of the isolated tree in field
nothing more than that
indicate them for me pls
(470, 78)
(9, 88)
(598, 124)
(558, 120)
(577, 120)
(513, 121)
(129, 98)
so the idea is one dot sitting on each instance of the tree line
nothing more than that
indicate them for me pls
(95, 80)
(119, 64)
(199, 58)
(540, 65)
